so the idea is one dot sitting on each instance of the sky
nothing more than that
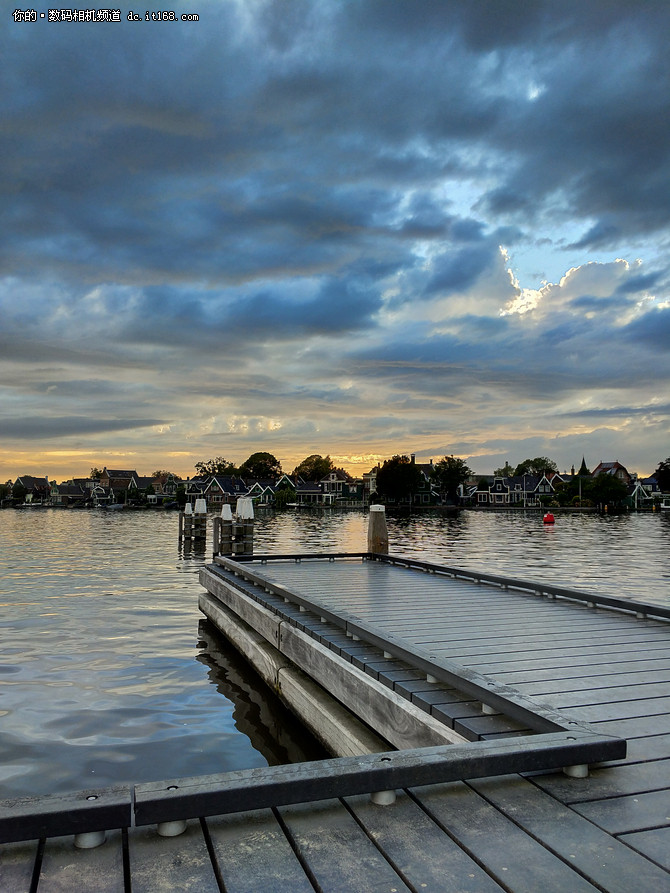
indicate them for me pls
(347, 227)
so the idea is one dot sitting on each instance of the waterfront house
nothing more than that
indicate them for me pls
(119, 482)
(336, 483)
(216, 489)
(311, 493)
(615, 469)
(37, 490)
(70, 493)
(520, 490)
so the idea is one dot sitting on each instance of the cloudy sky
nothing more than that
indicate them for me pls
(355, 227)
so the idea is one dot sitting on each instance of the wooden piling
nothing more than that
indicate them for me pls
(242, 527)
(223, 532)
(378, 538)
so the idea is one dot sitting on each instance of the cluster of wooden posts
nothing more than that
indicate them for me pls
(232, 535)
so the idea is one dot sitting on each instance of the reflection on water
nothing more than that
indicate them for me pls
(109, 673)
(257, 712)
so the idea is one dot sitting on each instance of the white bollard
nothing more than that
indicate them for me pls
(188, 509)
(245, 508)
(200, 507)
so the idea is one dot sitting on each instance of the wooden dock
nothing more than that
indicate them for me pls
(479, 691)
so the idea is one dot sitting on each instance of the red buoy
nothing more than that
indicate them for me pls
(548, 518)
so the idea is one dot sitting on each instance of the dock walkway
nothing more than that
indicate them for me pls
(557, 673)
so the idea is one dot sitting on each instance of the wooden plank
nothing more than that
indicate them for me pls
(261, 654)
(477, 727)
(514, 670)
(552, 651)
(167, 864)
(66, 868)
(655, 845)
(531, 633)
(610, 781)
(253, 854)
(419, 850)
(507, 853)
(262, 620)
(391, 716)
(649, 683)
(633, 812)
(612, 667)
(340, 856)
(606, 863)
(638, 727)
(650, 747)
(17, 861)
(642, 707)
(338, 729)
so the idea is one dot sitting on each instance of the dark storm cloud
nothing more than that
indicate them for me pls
(43, 428)
(323, 190)
(653, 330)
(457, 271)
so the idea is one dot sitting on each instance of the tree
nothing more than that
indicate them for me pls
(19, 493)
(261, 466)
(540, 465)
(662, 475)
(398, 479)
(283, 497)
(96, 473)
(449, 473)
(215, 466)
(606, 490)
(505, 472)
(314, 467)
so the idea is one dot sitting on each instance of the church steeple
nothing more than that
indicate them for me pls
(583, 470)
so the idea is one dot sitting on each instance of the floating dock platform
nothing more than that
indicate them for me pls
(490, 734)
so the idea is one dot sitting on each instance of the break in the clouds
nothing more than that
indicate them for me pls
(355, 228)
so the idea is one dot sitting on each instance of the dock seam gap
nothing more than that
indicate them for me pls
(293, 843)
(542, 843)
(459, 843)
(398, 870)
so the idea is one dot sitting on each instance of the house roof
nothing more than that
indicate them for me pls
(30, 482)
(609, 468)
(73, 490)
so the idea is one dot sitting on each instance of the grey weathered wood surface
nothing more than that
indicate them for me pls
(540, 831)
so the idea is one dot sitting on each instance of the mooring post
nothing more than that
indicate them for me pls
(223, 544)
(378, 537)
(200, 520)
(186, 523)
(243, 528)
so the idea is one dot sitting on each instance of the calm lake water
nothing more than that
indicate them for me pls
(108, 672)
